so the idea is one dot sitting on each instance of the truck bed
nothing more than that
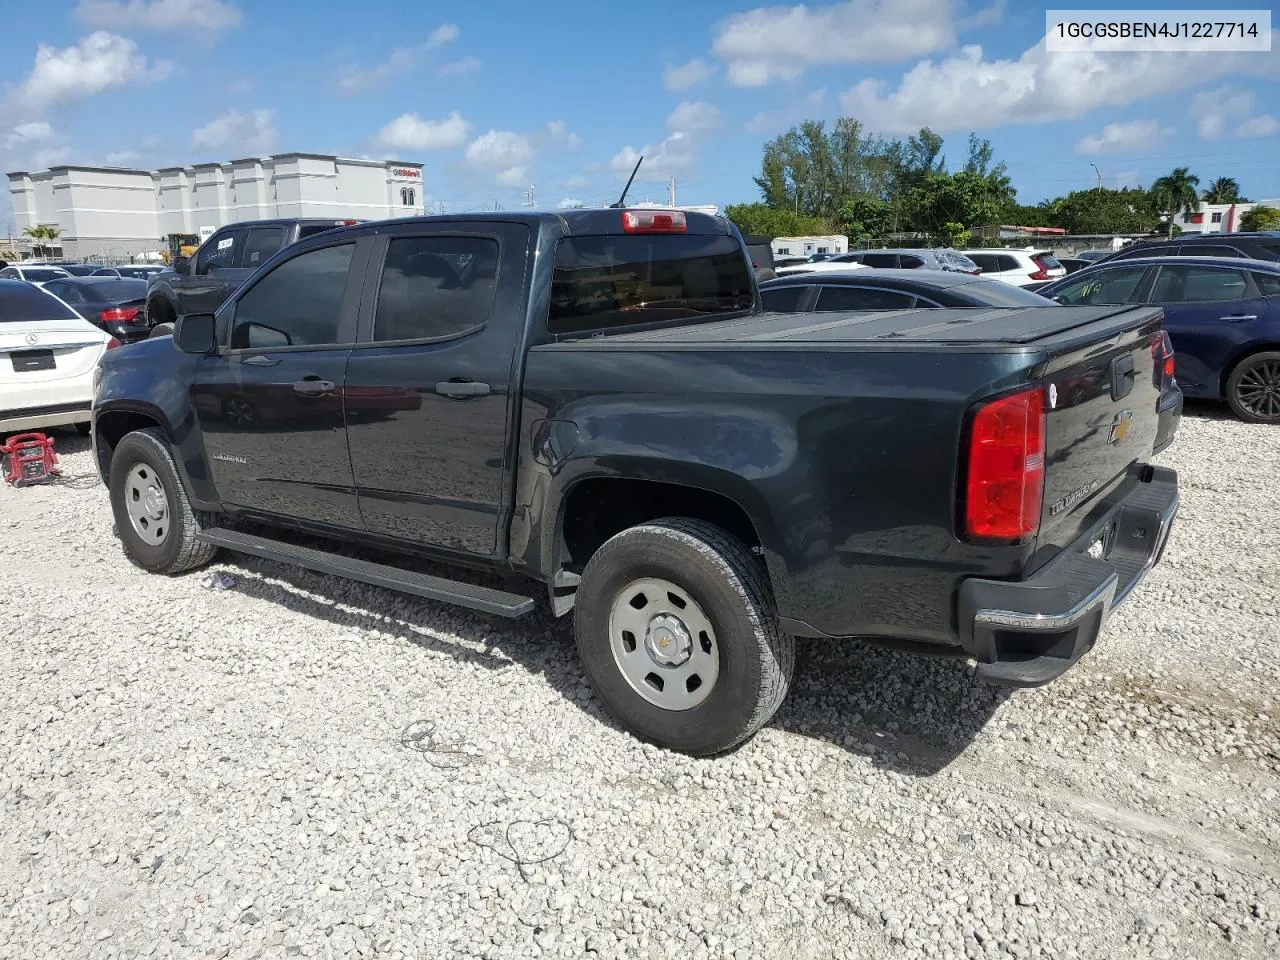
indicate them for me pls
(947, 326)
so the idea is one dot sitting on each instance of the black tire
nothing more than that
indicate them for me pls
(159, 311)
(84, 429)
(161, 330)
(731, 586)
(1253, 388)
(179, 550)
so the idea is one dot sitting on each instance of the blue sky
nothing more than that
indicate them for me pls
(495, 96)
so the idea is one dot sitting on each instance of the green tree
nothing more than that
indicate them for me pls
(1105, 211)
(1222, 190)
(43, 235)
(1261, 217)
(1176, 193)
(813, 171)
(963, 198)
(866, 216)
(760, 219)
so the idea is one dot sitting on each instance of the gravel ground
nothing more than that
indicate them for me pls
(202, 773)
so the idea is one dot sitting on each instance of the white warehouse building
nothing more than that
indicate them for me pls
(119, 213)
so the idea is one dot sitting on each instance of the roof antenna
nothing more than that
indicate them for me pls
(622, 200)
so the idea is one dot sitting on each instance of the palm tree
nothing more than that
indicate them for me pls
(1176, 193)
(42, 235)
(1222, 190)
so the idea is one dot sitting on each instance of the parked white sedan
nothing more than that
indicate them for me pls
(39, 275)
(48, 353)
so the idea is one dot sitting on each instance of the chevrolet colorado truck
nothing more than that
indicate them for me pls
(592, 404)
(200, 283)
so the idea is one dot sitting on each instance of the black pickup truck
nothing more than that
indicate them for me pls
(593, 402)
(201, 283)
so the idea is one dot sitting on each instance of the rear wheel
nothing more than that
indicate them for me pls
(154, 519)
(678, 635)
(159, 311)
(1253, 389)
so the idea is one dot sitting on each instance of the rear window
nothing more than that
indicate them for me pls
(884, 261)
(1049, 260)
(41, 276)
(24, 304)
(115, 290)
(614, 281)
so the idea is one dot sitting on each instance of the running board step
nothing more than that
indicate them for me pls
(485, 599)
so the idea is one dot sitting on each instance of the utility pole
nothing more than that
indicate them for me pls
(529, 197)
(1099, 173)
(671, 192)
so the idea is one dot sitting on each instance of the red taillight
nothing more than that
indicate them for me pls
(345, 223)
(1043, 272)
(653, 221)
(113, 343)
(119, 314)
(1162, 355)
(1004, 488)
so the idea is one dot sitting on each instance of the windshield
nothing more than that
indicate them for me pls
(41, 274)
(613, 281)
(22, 303)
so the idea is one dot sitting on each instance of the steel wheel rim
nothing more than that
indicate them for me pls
(664, 644)
(147, 505)
(1258, 389)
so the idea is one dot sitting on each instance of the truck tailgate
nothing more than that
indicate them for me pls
(1101, 399)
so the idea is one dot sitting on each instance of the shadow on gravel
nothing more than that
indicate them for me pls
(908, 713)
(1207, 410)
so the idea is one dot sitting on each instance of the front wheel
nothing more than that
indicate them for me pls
(1253, 389)
(678, 634)
(156, 522)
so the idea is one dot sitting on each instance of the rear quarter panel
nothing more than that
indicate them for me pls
(845, 460)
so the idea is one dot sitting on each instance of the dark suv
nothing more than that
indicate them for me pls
(202, 283)
(1251, 246)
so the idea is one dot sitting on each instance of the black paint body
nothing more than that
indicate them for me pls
(840, 437)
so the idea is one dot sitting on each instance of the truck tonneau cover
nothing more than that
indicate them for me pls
(945, 325)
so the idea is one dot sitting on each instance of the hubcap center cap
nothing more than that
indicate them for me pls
(153, 500)
(667, 641)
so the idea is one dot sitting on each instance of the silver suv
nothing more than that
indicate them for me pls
(905, 259)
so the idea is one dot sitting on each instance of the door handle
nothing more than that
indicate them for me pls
(261, 360)
(1237, 317)
(312, 386)
(462, 388)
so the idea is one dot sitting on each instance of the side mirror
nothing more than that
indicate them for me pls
(194, 333)
(180, 265)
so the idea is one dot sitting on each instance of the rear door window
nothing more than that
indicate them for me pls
(1179, 283)
(1004, 263)
(839, 299)
(908, 262)
(783, 299)
(260, 245)
(985, 262)
(624, 280)
(436, 287)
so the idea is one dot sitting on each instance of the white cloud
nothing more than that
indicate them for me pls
(37, 131)
(1124, 137)
(569, 203)
(672, 156)
(207, 15)
(400, 61)
(101, 61)
(687, 75)
(966, 92)
(694, 116)
(460, 68)
(778, 43)
(445, 33)
(234, 130)
(559, 135)
(50, 157)
(123, 158)
(504, 153)
(1225, 111)
(1263, 125)
(410, 132)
